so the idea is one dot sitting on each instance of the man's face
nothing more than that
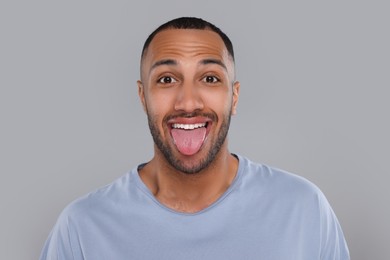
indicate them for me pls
(189, 94)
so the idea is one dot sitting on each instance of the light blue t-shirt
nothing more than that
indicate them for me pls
(265, 214)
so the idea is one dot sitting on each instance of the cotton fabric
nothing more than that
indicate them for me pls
(266, 213)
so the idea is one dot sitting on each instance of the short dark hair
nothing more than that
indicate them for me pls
(189, 23)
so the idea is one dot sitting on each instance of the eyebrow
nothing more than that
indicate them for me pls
(163, 62)
(213, 61)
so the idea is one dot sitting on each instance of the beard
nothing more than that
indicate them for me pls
(168, 152)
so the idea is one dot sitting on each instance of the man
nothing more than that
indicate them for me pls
(194, 199)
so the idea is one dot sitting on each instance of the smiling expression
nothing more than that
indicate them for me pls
(188, 91)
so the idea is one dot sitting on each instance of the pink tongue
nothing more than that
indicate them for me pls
(189, 141)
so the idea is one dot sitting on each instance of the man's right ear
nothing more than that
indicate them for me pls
(141, 94)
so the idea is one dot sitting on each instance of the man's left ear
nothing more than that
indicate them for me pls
(236, 93)
(141, 94)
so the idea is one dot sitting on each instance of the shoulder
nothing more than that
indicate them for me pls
(278, 183)
(88, 216)
(101, 199)
(278, 192)
(285, 193)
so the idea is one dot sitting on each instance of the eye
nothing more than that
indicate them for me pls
(166, 80)
(210, 79)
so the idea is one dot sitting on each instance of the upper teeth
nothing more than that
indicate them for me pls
(188, 126)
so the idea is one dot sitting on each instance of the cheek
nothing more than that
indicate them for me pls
(218, 101)
(159, 104)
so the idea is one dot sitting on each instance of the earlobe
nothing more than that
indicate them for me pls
(141, 94)
(236, 93)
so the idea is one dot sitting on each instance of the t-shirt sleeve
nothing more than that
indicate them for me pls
(58, 245)
(333, 244)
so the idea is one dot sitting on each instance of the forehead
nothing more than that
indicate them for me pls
(185, 43)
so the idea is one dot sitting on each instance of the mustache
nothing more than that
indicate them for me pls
(211, 116)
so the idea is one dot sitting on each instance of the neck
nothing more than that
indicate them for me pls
(185, 192)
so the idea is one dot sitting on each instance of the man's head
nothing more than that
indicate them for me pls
(188, 91)
(189, 23)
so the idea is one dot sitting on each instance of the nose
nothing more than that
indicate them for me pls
(188, 98)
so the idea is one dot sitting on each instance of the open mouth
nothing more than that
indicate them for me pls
(189, 134)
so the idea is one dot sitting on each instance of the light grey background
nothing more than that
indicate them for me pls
(314, 100)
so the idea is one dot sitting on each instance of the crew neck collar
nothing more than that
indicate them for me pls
(141, 185)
